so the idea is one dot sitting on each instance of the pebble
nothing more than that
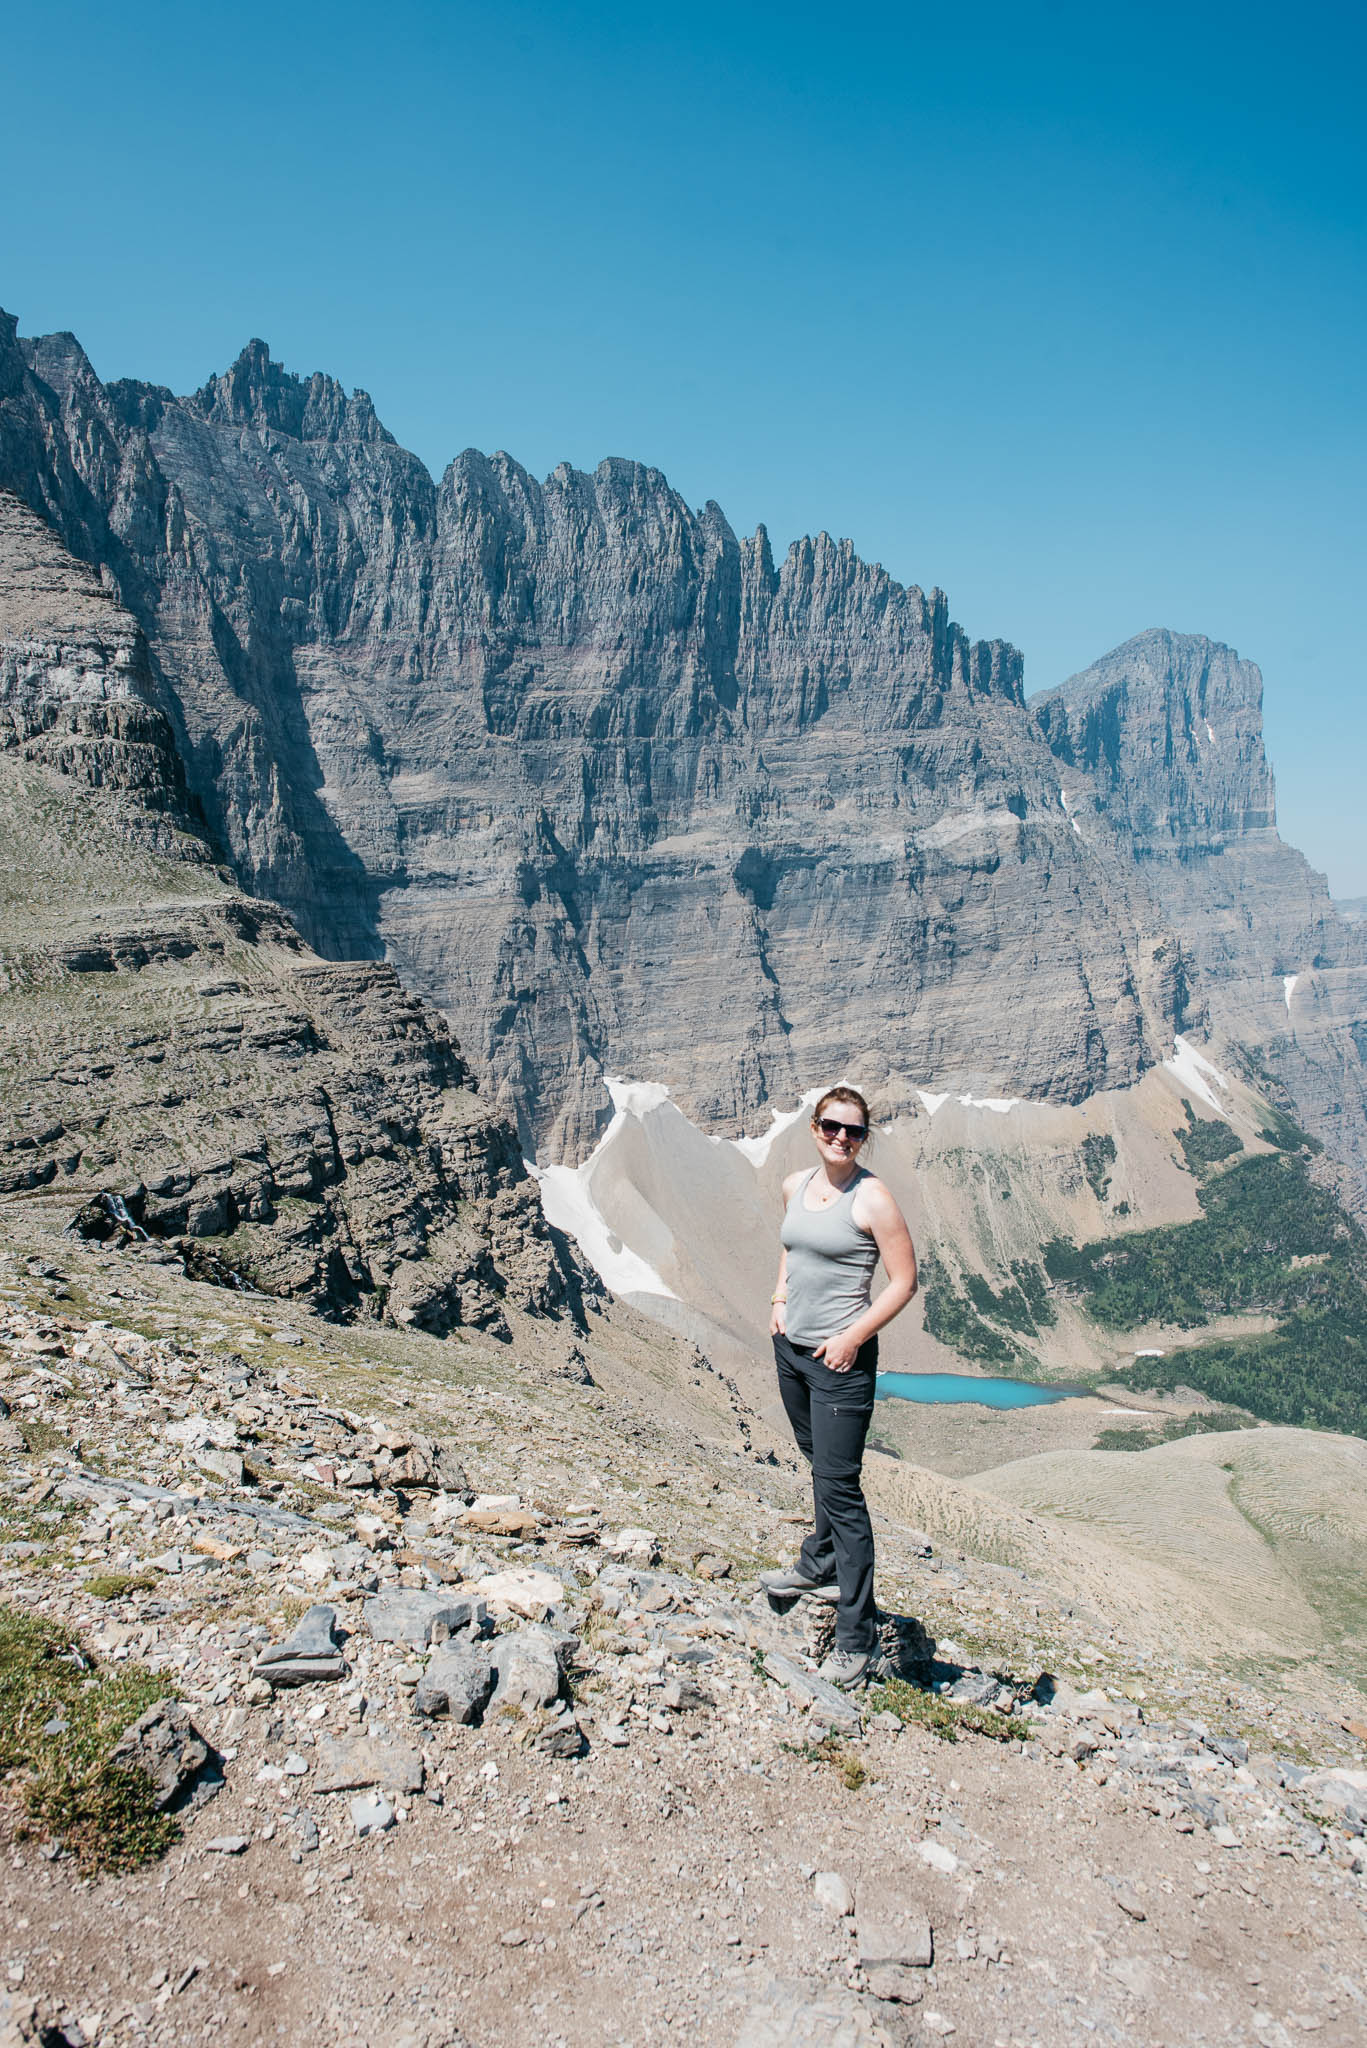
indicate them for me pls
(371, 1814)
(831, 1891)
(226, 1845)
(938, 1857)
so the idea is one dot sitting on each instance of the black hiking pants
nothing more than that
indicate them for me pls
(830, 1413)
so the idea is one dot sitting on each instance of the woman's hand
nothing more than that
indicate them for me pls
(778, 1320)
(839, 1352)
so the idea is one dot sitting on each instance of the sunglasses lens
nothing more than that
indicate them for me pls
(831, 1130)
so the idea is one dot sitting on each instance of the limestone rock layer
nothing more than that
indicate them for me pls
(623, 795)
(614, 789)
(1162, 742)
(174, 1061)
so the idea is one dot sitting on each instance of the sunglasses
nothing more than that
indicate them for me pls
(831, 1130)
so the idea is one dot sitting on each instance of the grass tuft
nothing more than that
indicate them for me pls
(104, 1814)
(945, 1718)
(113, 1585)
(830, 1750)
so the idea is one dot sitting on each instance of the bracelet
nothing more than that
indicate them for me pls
(776, 1297)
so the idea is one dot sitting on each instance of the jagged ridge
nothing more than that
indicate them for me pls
(598, 776)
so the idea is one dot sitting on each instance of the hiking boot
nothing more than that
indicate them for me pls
(788, 1584)
(851, 1668)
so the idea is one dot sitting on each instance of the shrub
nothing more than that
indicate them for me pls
(59, 1721)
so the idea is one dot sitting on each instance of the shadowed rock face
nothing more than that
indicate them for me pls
(169, 1041)
(614, 789)
(1163, 740)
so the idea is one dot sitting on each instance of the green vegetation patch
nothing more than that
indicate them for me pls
(848, 1766)
(113, 1585)
(1206, 1142)
(1098, 1156)
(40, 1436)
(945, 1718)
(1280, 1129)
(1263, 1218)
(59, 1721)
(973, 1318)
(1169, 1428)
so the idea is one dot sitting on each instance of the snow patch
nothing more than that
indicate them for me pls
(757, 1150)
(1063, 799)
(1195, 1072)
(1289, 987)
(570, 1206)
(635, 1098)
(1150, 1354)
(1209, 734)
(998, 1104)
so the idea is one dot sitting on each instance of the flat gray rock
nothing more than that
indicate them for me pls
(349, 1765)
(562, 1737)
(399, 1616)
(901, 1939)
(787, 2014)
(458, 1681)
(527, 1667)
(834, 1706)
(371, 1815)
(895, 1985)
(310, 1652)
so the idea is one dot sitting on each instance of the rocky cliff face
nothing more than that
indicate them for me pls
(1161, 742)
(311, 1128)
(616, 790)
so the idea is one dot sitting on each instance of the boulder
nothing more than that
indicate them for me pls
(458, 1681)
(834, 1707)
(527, 1667)
(350, 1764)
(165, 1743)
(398, 1616)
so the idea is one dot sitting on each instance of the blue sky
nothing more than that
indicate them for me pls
(1060, 308)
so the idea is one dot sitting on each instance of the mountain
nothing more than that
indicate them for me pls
(1162, 739)
(623, 796)
(177, 1059)
(614, 790)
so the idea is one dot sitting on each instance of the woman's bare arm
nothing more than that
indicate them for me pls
(778, 1318)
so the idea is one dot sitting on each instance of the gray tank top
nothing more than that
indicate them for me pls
(830, 1265)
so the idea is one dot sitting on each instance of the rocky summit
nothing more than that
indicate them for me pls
(1164, 739)
(461, 1720)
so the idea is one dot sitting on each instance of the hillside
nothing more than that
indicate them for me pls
(305, 1127)
(653, 1829)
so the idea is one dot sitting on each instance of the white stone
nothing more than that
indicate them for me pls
(938, 1857)
(832, 1892)
(528, 1592)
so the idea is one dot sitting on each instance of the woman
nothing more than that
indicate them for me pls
(838, 1222)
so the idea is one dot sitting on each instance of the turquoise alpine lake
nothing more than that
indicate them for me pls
(964, 1386)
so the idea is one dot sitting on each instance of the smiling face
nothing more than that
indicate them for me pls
(839, 1128)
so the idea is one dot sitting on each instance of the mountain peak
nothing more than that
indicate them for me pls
(1169, 726)
(258, 392)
